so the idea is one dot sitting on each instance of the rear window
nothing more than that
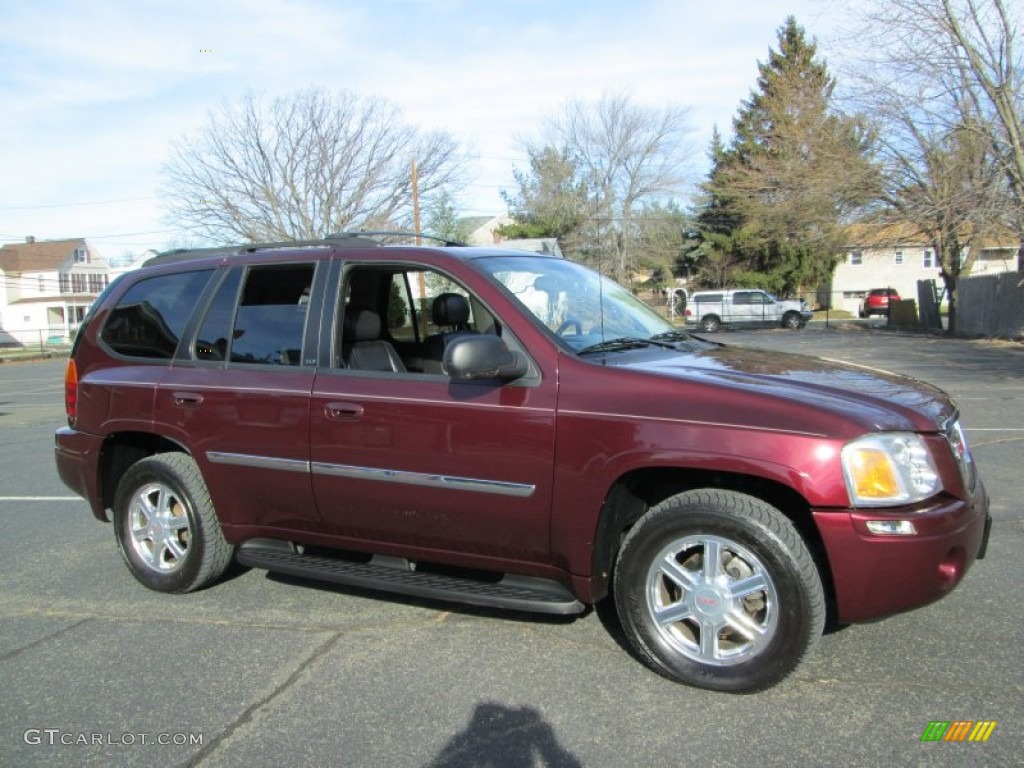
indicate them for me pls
(149, 319)
(271, 317)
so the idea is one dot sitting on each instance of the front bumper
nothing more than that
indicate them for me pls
(878, 575)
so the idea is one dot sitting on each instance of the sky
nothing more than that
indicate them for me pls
(95, 93)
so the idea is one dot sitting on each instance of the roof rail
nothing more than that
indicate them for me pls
(387, 233)
(357, 239)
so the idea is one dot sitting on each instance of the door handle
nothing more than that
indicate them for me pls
(343, 411)
(187, 399)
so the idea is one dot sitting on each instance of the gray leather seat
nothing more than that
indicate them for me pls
(364, 349)
(450, 311)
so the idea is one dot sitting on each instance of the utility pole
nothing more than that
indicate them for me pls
(422, 314)
(416, 202)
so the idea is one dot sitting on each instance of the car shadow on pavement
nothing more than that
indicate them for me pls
(505, 737)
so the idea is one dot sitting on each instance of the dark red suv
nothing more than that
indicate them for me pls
(513, 430)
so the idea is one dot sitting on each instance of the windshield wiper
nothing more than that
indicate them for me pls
(671, 336)
(616, 345)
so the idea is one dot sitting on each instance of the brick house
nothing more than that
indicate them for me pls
(46, 287)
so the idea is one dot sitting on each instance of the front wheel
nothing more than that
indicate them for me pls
(166, 527)
(716, 589)
(792, 321)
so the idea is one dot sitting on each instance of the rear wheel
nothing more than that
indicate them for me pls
(710, 323)
(716, 589)
(166, 527)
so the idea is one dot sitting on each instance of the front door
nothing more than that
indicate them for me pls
(418, 463)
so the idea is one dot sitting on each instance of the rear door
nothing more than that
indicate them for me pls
(238, 397)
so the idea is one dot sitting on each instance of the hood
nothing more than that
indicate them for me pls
(878, 399)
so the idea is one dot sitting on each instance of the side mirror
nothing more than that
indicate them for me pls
(483, 356)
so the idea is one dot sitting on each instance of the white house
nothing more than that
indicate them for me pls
(46, 287)
(482, 232)
(896, 258)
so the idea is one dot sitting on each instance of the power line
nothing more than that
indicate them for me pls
(17, 239)
(74, 205)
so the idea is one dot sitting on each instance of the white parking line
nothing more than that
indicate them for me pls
(41, 498)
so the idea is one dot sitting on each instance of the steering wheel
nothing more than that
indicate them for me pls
(570, 322)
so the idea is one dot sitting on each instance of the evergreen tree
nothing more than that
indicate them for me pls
(796, 169)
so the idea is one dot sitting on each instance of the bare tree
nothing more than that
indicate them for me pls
(303, 166)
(623, 158)
(943, 181)
(948, 57)
(935, 77)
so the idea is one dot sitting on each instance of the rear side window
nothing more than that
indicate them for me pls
(149, 319)
(271, 317)
(707, 298)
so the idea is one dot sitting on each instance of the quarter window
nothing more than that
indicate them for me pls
(149, 319)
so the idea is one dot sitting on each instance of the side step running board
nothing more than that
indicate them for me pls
(389, 574)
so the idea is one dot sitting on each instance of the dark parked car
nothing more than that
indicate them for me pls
(877, 301)
(509, 430)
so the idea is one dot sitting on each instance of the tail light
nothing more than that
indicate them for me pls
(71, 391)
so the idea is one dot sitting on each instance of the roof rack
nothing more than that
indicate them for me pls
(357, 239)
(386, 233)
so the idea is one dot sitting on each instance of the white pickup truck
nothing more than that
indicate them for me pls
(713, 309)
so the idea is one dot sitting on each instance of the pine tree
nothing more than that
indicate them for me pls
(777, 196)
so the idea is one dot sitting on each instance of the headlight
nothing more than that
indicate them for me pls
(886, 469)
(962, 454)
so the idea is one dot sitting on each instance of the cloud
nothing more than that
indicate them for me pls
(100, 89)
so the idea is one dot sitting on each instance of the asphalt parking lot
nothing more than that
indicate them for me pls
(262, 670)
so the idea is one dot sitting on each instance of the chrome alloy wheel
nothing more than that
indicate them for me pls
(712, 600)
(160, 527)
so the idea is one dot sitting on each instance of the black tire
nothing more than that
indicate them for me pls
(166, 526)
(793, 321)
(710, 323)
(740, 626)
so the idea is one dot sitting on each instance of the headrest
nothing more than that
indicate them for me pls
(450, 309)
(362, 325)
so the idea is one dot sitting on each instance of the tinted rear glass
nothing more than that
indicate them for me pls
(271, 317)
(149, 319)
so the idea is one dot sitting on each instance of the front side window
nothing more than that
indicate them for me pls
(401, 318)
(149, 319)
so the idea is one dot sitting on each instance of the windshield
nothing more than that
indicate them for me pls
(579, 306)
